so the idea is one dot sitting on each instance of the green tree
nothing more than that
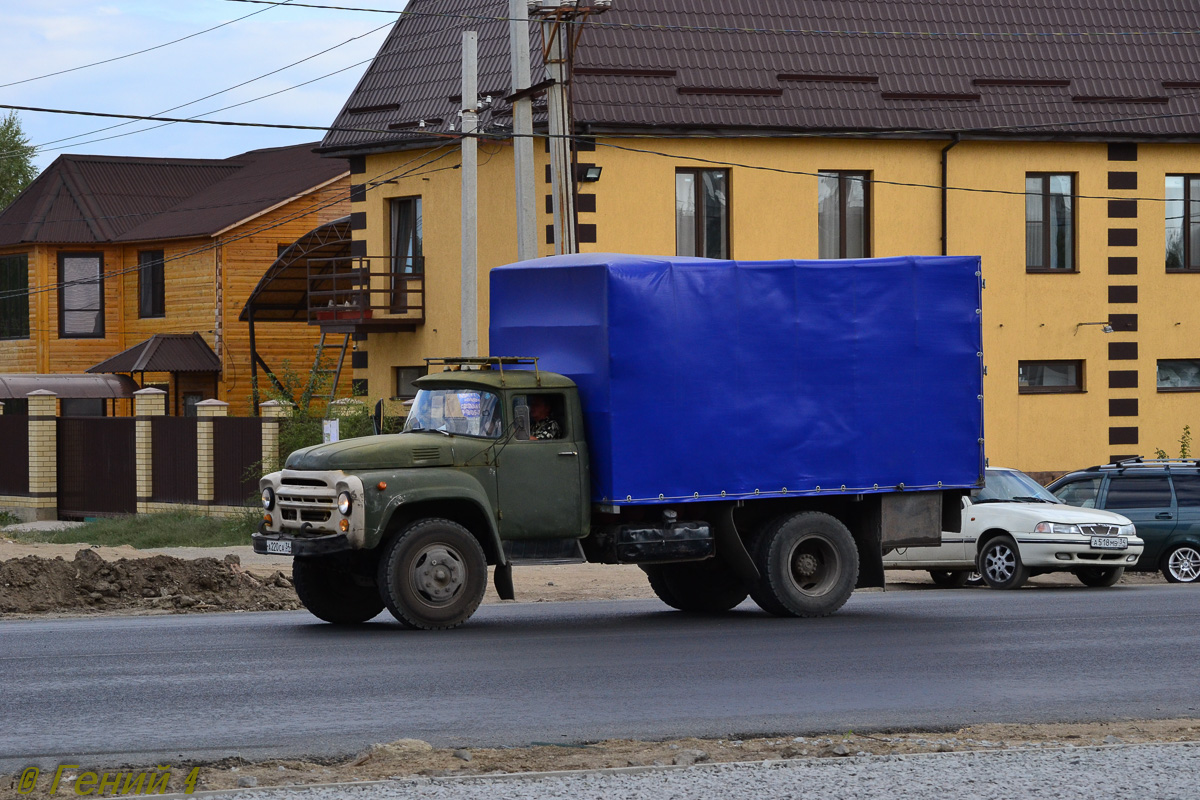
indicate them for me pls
(16, 159)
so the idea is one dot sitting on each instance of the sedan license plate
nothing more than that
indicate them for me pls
(284, 546)
(1109, 543)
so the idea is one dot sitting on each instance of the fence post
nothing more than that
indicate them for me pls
(205, 411)
(271, 412)
(43, 453)
(147, 403)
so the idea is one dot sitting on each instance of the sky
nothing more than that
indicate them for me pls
(46, 36)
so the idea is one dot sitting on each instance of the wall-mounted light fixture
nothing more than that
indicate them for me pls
(1107, 328)
(589, 174)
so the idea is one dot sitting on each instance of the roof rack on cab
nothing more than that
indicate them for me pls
(485, 362)
(1165, 463)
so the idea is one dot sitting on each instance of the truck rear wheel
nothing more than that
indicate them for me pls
(808, 563)
(701, 586)
(330, 591)
(433, 575)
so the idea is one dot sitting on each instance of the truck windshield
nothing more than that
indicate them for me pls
(463, 412)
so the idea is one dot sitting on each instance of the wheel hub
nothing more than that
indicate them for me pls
(814, 566)
(1185, 564)
(805, 565)
(999, 563)
(438, 573)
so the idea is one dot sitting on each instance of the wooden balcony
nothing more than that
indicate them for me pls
(366, 295)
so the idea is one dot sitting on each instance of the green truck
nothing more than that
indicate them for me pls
(754, 476)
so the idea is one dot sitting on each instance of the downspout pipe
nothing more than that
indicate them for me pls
(945, 191)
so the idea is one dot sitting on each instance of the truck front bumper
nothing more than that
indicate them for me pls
(283, 544)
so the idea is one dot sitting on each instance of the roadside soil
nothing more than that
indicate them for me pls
(47, 580)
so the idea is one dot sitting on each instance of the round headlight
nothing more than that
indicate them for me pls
(268, 498)
(344, 503)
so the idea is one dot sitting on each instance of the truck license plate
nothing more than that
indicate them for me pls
(1109, 543)
(284, 546)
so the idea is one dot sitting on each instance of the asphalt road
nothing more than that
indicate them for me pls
(155, 689)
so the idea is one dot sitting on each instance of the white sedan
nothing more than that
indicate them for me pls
(1013, 528)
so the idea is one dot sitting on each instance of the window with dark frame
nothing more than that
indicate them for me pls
(1183, 223)
(702, 213)
(1049, 377)
(408, 261)
(843, 214)
(1049, 222)
(14, 296)
(1178, 375)
(405, 390)
(81, 295)
(151, 284)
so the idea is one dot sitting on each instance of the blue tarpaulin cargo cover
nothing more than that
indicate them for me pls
(704, 379)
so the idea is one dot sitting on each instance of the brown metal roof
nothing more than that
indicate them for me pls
(81, 198)
(164, 352)
(1028, 69)
(17, 386)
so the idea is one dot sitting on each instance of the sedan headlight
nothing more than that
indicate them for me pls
(268, 498)
(344, 504)
(1057, 528)
(1127, 530)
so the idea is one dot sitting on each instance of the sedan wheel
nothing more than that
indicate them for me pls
(1000, 564)
(1099, 576)
(951, 579)
(1182, 565)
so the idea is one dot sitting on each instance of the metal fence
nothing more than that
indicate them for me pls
(14, 455)
(173, 460)
(97, 474)
(237, 459)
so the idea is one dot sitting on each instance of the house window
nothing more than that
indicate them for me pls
(408, 262)
(151, 288)
(405, 390)
(1183, 223)
(14, 296)
(1045, 377)
(1179, 375)
(702, 213)
(843, 215)
(1049, 222)
(81, 295)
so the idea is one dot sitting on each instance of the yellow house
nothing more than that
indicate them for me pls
(152, 260)
(1047, 139)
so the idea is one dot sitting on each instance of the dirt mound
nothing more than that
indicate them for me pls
(33, 585)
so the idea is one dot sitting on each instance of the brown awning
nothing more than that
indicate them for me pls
(164, 352)
(17, 386)
(282, 294)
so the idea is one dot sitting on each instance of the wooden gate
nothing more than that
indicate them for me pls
(14, 463)
(97, 474)
(237, 459)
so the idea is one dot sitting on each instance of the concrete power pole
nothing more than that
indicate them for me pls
(470, 194)
(562, 181)
(518, 37)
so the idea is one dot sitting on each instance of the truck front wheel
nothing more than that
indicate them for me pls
(433, 575)
(701, 586)
(808, 563)
(331, 591)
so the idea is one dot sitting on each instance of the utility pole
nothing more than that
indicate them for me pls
(470, 194)
(518, 37)
(562, 183)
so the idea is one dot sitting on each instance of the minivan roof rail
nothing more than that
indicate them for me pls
(1139, 461)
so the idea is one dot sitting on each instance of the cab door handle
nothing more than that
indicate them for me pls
(1163, 515)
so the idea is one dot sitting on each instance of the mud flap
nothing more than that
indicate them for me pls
(731, 550)
(503, 581)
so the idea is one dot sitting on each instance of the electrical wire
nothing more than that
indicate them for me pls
(144, 50)
(600, 23)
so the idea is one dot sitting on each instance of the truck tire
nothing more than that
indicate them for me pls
(432, 576)
(702, 586)
(808, 563)
(329, 590)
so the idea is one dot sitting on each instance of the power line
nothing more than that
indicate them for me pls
(145, 50)
(43, 146)
(592, 22)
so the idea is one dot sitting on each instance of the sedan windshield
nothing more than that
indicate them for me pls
(1010, 486)
(463, 412)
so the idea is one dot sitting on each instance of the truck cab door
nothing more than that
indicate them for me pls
(539, 479)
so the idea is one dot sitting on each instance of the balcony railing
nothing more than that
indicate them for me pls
(370, 292)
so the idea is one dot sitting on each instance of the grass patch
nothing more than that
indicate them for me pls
(143, 531)
(8, 518)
